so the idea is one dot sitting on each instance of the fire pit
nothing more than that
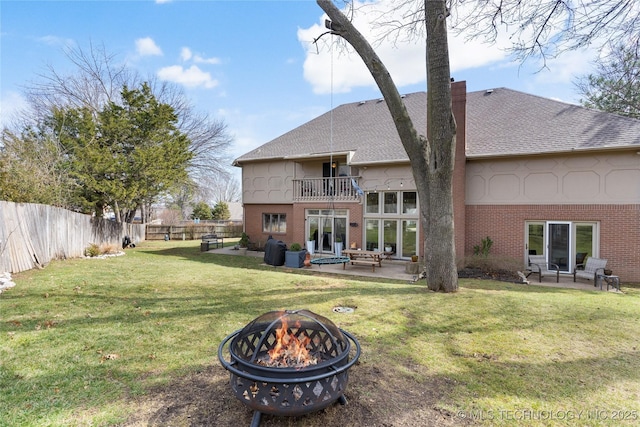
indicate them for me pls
(289, 363)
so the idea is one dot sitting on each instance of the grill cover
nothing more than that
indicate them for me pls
(274, 252)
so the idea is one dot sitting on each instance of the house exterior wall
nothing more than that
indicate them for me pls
(296, 226)
(599, 187)
(253, 222)
(608, 178)
(268, 182)
(386, 177)
(505, 224)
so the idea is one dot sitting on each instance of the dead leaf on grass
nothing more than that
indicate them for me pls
(110, 356)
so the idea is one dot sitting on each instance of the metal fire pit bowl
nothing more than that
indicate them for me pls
(288, 391)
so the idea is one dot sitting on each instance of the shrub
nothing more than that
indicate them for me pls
(109, 248)
(92, 250)
(244, 240)
(491, 263)
(483, 248)
(295, 247)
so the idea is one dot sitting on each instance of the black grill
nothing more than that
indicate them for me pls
(289, 391)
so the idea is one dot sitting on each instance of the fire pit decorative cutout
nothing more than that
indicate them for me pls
(289, 363)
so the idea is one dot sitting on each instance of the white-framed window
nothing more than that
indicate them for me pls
(391, 222)
(274, 223)
(372, 203)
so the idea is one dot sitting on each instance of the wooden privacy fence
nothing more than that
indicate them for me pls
(194, 231)
(31, 235)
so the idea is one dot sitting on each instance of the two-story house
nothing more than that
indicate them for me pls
(533, 174)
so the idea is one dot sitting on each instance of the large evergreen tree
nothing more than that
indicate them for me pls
(124, 156)
(221, 211)
(202, 210)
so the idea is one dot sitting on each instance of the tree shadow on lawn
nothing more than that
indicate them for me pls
(254, 263)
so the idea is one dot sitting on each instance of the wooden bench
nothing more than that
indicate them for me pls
(370, 262)
(211, 241)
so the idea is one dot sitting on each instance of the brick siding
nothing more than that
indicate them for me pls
(505, 225)
(296, 224)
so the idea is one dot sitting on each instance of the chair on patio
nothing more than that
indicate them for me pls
(590, 270)
(580, 256)
(538, 265)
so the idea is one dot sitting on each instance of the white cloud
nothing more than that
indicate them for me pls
(567, 66)
(190, 77)
(202, 60)
(185, 54)
(147, 47)
(404, 60)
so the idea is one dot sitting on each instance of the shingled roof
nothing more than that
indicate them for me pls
(505, 122)
(500, 122)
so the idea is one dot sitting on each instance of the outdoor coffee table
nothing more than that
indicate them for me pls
(613, 281)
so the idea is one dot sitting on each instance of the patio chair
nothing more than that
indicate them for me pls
(590, 269)
(538, 265)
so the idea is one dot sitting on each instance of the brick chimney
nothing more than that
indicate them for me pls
(459, 105)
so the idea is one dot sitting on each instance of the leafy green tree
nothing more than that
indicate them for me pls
(615, 88)
(202, 210)
(221, 211)
(126, 155)
(96, 77)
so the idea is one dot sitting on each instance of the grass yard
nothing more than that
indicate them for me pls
(132, 341)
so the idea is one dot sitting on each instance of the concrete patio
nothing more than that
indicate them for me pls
(395, 269)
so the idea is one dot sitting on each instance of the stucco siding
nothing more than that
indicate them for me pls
(268, 182)
(608, 178)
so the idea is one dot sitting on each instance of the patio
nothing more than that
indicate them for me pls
(395, 269)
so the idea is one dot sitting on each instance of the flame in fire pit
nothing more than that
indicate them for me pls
(290, 350)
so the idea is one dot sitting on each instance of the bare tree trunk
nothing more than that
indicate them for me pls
(440, 254)
(432, 164)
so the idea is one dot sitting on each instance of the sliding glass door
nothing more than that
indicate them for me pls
(564, 243)
(324, 226)
(559, 245)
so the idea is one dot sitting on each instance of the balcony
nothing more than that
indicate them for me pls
(325, 189)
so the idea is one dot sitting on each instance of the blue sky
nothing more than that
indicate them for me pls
(249, 63)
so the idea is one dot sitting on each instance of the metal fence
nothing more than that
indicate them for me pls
(31, 235)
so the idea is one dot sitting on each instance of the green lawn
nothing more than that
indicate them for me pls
(81, 339)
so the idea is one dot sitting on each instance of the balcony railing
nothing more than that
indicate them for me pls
(323, 189)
